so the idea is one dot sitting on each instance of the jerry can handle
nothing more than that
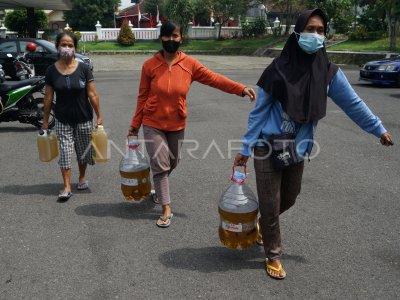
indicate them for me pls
(233, 173)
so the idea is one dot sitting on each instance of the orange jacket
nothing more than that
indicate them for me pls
(162, 92)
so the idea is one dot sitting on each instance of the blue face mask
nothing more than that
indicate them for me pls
(310, 42)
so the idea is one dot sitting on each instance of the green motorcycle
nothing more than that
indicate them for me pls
(23, 101)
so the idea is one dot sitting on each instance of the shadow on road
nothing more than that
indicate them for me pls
(18, 129)
(218, 259)
(395, 96)
(123, 210)
(37, 189)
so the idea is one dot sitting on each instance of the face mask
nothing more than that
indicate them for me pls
(66, 52)
(171, 46)
(311, 42)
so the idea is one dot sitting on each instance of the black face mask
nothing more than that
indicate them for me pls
(171, 46)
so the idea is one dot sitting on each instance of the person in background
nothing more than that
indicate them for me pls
(76, 95)
(292, 98)
(161, 107)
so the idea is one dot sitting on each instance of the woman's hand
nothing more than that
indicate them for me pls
(99, 121)
(249, 92)
(45, 125)
(240, 160)
(386, 139)
(133, 131)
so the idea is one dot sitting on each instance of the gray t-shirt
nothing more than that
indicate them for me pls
(72, 102)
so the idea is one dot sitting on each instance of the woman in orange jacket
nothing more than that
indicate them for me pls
(161, 107)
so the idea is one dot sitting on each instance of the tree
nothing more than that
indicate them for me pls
(202, 11)
(17, 20)
(180, 11)
(85, 13)
(150, 6)
(226, 9)
(392, 8)
(126, 37)
(338, 11)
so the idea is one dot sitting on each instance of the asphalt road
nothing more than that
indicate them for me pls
(341, 239)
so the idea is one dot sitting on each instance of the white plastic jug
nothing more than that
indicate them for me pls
(100, 150)
(47, 145)
(135, 173)
(238, 210)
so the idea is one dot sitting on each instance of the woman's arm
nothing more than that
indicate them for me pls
(144, 89)
(94, 101)
(218, 81)
(258, 117)
(341, 92)
(48, 101)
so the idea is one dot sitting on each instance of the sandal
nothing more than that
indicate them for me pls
(166, 221)
(259, 239)
(82, 185)
(281, 272)
(64, 196)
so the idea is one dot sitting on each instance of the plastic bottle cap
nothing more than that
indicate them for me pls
(239, 175)
(43, 132)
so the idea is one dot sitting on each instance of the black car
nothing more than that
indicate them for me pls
(45, 55)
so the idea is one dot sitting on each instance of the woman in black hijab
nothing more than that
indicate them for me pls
(292, 97)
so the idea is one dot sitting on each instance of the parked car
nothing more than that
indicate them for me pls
(385, 71)
(45, 54)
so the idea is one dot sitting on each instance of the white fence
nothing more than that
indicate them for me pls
(211, 32)
(111, 34)
(194, 32)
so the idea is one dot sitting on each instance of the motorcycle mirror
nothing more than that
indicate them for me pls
(9, 55)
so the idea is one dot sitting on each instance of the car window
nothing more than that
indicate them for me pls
(8, 47)
(22, 46)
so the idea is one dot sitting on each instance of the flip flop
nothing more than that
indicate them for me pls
(167, 221)
(82, 185)
(280, 270)
(64, 196)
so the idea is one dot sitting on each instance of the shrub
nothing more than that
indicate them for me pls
(78, 35)
(126, 37)
(256, 28)
(259, 26)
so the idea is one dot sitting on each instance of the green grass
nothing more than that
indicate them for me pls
(366, 45)
(235, 45)
(254, 43)
(377, 45)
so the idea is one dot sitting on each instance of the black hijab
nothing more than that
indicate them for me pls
(299, 80)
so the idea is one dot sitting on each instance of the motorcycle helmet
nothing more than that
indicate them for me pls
(31, 47)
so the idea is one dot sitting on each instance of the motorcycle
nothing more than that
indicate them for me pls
(23, 101)
(23, 68)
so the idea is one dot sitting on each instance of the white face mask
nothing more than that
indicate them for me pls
(310, 42)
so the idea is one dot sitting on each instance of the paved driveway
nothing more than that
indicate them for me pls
(341, 240)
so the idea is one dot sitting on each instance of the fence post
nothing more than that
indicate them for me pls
(190, 30)
(217, 26)
(158, 29)
(3, 32)
(98, 31)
